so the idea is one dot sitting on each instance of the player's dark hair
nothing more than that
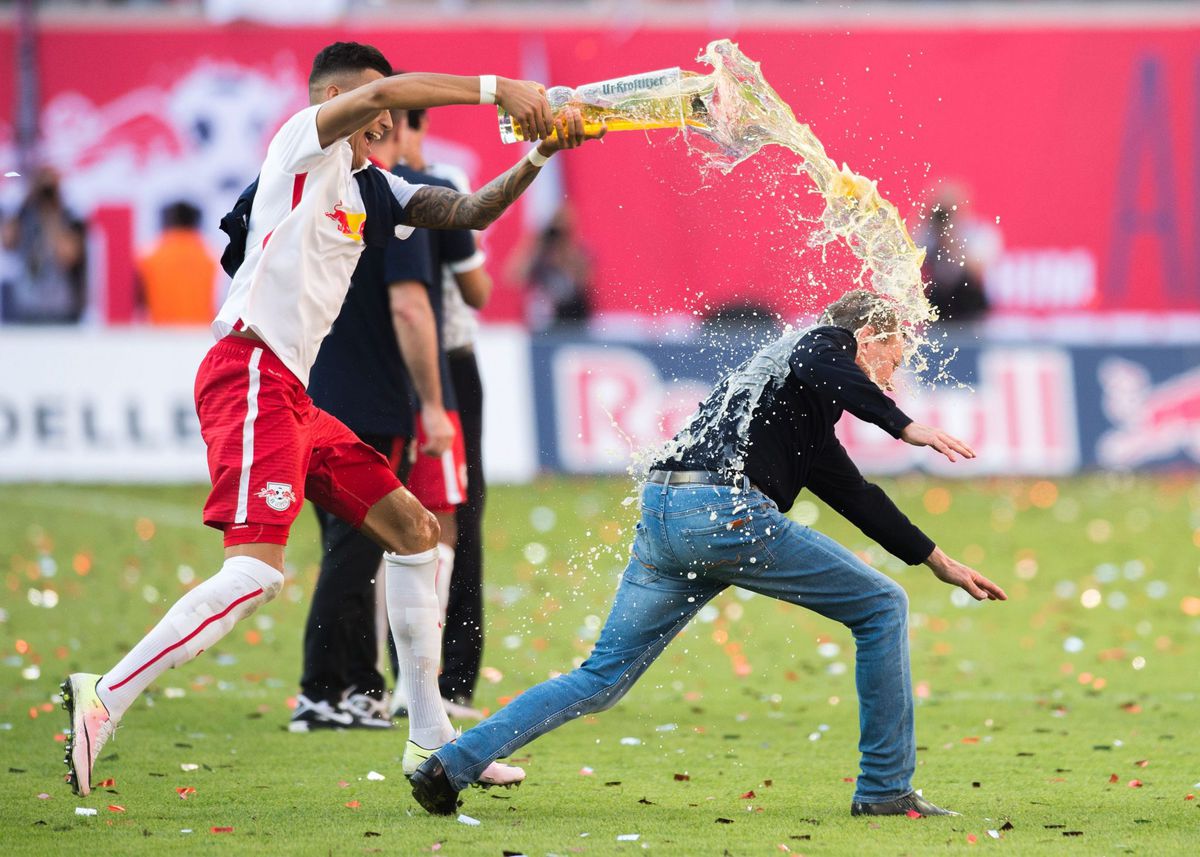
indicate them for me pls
(858, 307)
(345, 58)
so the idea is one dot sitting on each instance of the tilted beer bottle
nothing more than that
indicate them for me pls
(669, 98)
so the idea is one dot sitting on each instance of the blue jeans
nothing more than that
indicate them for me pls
(692, 542)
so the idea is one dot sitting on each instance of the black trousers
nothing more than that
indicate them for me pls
(462, 636)
(341, 649)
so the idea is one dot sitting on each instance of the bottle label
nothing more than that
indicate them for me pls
(607, 90)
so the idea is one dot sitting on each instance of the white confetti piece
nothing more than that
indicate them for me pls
(174, 693)
(467, 820)
(995, 834)
(186, 830)
(631, 742)
(84, 810)
(629, 837)
(585, 771)
(12, 174)
(375, 776)
(188, 766)
(666, 727)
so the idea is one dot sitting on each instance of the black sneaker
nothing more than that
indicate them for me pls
(911, 802)
(432, 789)
(311, 715)
(366, 712)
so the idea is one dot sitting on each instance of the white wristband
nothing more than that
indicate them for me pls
(537, 158)
(487, 89)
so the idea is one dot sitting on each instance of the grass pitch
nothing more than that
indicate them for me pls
(1063, 721)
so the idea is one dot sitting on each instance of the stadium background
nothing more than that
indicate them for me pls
(1070, 130)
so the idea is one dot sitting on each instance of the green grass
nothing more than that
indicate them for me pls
(1009, 729)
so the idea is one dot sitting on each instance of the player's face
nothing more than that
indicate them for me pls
(362, 140)
(879, 356)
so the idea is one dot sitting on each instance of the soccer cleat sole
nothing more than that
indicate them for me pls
(68, 705)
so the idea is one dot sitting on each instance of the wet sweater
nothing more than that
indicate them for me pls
(773, 419)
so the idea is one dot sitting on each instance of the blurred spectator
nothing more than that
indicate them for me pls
(558, 273)
(958, 248)
(46, 282)
(178, 274)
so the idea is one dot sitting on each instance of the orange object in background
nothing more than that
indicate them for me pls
(178, 274)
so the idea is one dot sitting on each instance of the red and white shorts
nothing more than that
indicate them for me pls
(270, 447)
(439, 482)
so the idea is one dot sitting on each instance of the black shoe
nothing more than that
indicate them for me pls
(432, 789)
(317, 714)
(911, 802)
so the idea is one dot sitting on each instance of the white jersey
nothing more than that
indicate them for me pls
(460, 324)
(306, 235)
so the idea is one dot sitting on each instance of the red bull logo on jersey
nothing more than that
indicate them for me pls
(279, 495)
(1151, 421)
(348, 222)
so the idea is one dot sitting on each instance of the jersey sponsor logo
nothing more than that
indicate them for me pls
(348, 222)
(279, 495)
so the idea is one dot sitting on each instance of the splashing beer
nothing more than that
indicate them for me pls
(734, 109)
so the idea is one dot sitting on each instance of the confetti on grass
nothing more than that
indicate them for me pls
(84, 810)
(467, 820)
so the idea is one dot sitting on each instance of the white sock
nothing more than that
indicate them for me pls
(194, 623)
(412, 604)
(445, 569)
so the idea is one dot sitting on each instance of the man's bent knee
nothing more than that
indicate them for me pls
(400, 524)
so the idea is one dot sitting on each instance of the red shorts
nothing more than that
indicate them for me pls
(439, 482)
(270, 447)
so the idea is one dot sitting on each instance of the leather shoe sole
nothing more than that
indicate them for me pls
(432, 789)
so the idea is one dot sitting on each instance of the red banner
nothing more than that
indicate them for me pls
(1077, 148)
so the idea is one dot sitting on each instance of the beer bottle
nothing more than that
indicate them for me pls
(668, 98)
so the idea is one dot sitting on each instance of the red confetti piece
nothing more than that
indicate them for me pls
(60, 738)
(184, 791)
(1188, 797)
(971, 739)
(748, 795)
(1132, 708)
(972, 838)
(108, 784)
(353, 804)
(342, 784)
(221, 829)
(912, 813)
(1114, 779)
(47, 707)
(1141, 763)
(849, 779)
(112, 807)
(1135, 784)
(682, 778)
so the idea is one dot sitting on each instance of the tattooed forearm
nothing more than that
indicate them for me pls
(442, 208)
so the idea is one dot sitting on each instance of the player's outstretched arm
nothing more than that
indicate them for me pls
(442, 208)
(919, 434)
(345, 113)
(950, 570)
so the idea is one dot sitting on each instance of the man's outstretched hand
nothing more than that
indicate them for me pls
(525, 101)
(569, 132)
(950, 570)
(919, 434)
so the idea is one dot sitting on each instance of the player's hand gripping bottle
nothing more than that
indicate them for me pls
(669, 98)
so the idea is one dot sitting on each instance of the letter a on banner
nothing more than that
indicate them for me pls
(1145, 151)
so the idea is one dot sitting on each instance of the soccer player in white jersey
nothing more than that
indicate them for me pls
(269, 447)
